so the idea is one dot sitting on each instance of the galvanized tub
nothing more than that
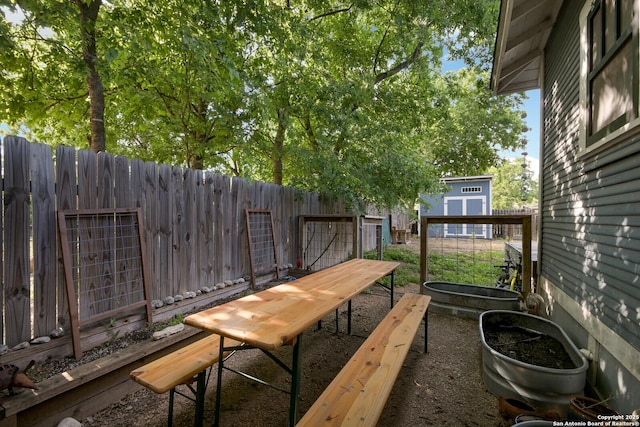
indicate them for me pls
(543, 387)
(469, 300)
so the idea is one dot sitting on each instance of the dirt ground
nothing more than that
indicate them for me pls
(441, 387)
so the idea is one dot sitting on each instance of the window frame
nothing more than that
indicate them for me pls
(471, 189)
(618, 129)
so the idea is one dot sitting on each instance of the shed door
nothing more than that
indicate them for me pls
(471, 205)
(476, 207)
(453, 206)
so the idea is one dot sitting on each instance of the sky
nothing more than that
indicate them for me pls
(532, 108)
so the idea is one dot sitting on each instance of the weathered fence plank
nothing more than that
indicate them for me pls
(106, 199)
(89, 290)
(206, 227)
(165, 235)
(87, 180)
(179, 257)
(228, 244)
(151, 225)
(105, 181)
(44, 238)
(66, 199)
(218, 227)
(123, 192)
(242, 200)
(137, 200)
(189, 234)
(17, 240)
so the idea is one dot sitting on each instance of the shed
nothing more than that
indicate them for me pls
(468, 195)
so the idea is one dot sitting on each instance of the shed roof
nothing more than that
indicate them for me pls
(523, 29)
(468, 178)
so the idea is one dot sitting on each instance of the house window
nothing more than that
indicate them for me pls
(472, 189)
(609, 74)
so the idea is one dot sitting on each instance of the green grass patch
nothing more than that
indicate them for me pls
(476, 268)
(409, 270)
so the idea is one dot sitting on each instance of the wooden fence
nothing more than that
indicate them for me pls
(514, 231)
(193, 225)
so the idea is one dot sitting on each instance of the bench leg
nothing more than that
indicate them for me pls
(172, 393)
(199, 392)
(295, 382)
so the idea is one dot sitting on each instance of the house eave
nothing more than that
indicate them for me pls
(523, 29)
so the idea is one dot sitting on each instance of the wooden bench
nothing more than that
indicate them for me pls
(358, 394)
(183, 366)
(400, 236)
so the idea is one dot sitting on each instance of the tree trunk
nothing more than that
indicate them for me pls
(88, 18)
(278, 146)
(195, 147)
(308, 129)
(196, 137)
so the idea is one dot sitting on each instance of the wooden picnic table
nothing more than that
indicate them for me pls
(279, 315)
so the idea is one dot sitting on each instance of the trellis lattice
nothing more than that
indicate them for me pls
(104, 261)
(327, 240)
(262, 248)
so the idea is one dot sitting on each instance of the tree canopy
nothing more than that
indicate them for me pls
(513, 186)
(345, 98)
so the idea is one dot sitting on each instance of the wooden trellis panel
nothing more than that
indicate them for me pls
(104, 259)
(327, 240)
(262, 248)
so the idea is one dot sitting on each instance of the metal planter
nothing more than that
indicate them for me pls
(543, 387)
(469, 300)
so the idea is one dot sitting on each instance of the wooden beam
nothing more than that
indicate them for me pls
(536, 30)
(89, 388)
(513, 71)
(519, 86)
(476, 219)
(524, 220)
(526, 8)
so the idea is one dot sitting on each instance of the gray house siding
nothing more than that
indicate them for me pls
(590, 223)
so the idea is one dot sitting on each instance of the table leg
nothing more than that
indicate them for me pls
(426, 328)
(349, 318)
(216, 419)
(200, 393)
(295, 382)
(392, 277)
